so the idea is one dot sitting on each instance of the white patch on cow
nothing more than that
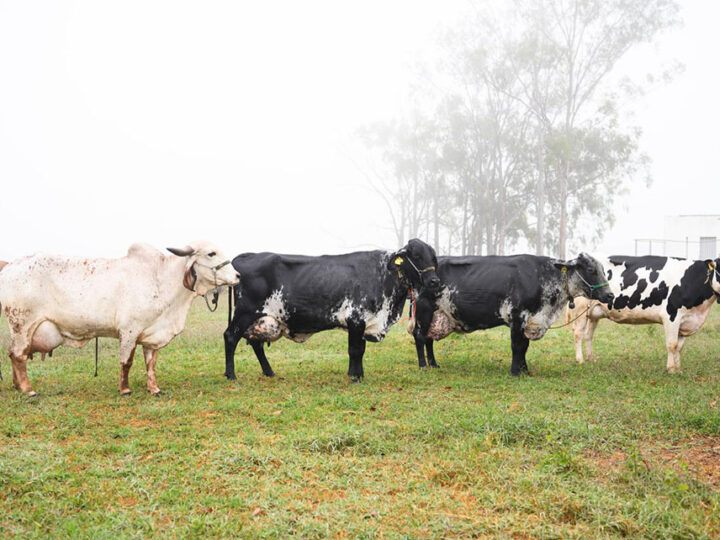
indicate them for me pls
(344, 312)
(376, 324)
(505, 309)
(274, 306)
(536, 324)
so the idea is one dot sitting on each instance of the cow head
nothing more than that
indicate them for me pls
(416, 263)
(206, 267)
(714, 275)
(586, 277)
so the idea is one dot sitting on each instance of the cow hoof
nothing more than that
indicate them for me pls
(157, 394)
(271, 374)
(125, 393)
(355, 379)
(422, 366)
(32, 394)
(434, 366)
(230, 376)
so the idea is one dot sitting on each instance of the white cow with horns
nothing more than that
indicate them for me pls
(140, 299)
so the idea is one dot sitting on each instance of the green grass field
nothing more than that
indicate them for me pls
(609, 449)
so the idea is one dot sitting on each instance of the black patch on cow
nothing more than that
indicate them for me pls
(609, 274)
(656, 297)
(654, 275)
(693, 289)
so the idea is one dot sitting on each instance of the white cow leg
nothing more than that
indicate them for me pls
(20, 378)
(579, 332)
(589, 334)
(678, 350)
(671, 343)
(150, 359)
(125, 370)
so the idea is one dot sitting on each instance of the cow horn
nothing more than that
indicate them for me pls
(184, 252)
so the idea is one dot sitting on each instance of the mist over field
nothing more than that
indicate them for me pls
(264, 127)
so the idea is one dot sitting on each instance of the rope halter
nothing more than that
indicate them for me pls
(215, 290)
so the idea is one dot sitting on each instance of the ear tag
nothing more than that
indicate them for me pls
(564, 269)
(398, 261)
(710, 265)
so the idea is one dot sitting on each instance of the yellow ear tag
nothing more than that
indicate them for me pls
(564, 269)
(398, 261)
(710, 265)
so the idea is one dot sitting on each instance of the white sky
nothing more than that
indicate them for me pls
(169, 121)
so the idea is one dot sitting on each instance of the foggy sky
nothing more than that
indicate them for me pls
(165, 122)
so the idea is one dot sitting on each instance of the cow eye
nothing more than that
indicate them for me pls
(592, 272)
(211, 254)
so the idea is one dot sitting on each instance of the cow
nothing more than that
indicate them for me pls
(677, 293)
(140, 299)
(295, 296)
(524, 292)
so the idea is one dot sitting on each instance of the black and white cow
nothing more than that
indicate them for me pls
(295, 296)
(525, 292)
(676, 293)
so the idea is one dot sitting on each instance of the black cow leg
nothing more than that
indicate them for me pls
(233, 335)
(356, 350)
(260, 353)
(420, 348)
(430, 353)
(231, 340)
(519, 344)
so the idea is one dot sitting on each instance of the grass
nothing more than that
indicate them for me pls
(608, 449)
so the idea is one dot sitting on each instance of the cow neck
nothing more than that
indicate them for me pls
(398, 291)
(172, 291)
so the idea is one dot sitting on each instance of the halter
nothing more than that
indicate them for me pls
(420, 272)
(216, 290)
(592, 287)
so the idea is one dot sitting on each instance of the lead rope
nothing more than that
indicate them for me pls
(575, 319)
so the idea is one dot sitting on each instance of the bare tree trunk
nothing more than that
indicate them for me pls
(540, 205)
(562, 236)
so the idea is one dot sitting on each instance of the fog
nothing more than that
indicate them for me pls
(164, 122)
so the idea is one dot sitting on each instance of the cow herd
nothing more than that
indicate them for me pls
(144, 298)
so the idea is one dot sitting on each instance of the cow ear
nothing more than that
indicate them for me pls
(565, 264)
(184, 252)
(710, 263)
(190, 278)
(396, 259)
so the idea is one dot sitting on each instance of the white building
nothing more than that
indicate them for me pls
(691, 236)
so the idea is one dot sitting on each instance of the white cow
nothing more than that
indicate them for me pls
(676, 293)
(141, 299)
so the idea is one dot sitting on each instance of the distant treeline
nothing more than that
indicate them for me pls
(520, 132)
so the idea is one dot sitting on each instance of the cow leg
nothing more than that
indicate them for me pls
(20, 378)
(127, 354)
(590, 327)
(258, 347)
(151, 356)
(672, 336)
(233, 334)
(579, 328)
(519, 345)
(678, 350)
(423, 319)
(420, 348)
(19, 348)
(430, 353)
(356, 349)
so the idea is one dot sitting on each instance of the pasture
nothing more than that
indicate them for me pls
(607, 449)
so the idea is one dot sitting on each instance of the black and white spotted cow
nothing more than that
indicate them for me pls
(525, 292)
(295, 296)
(676, 293)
